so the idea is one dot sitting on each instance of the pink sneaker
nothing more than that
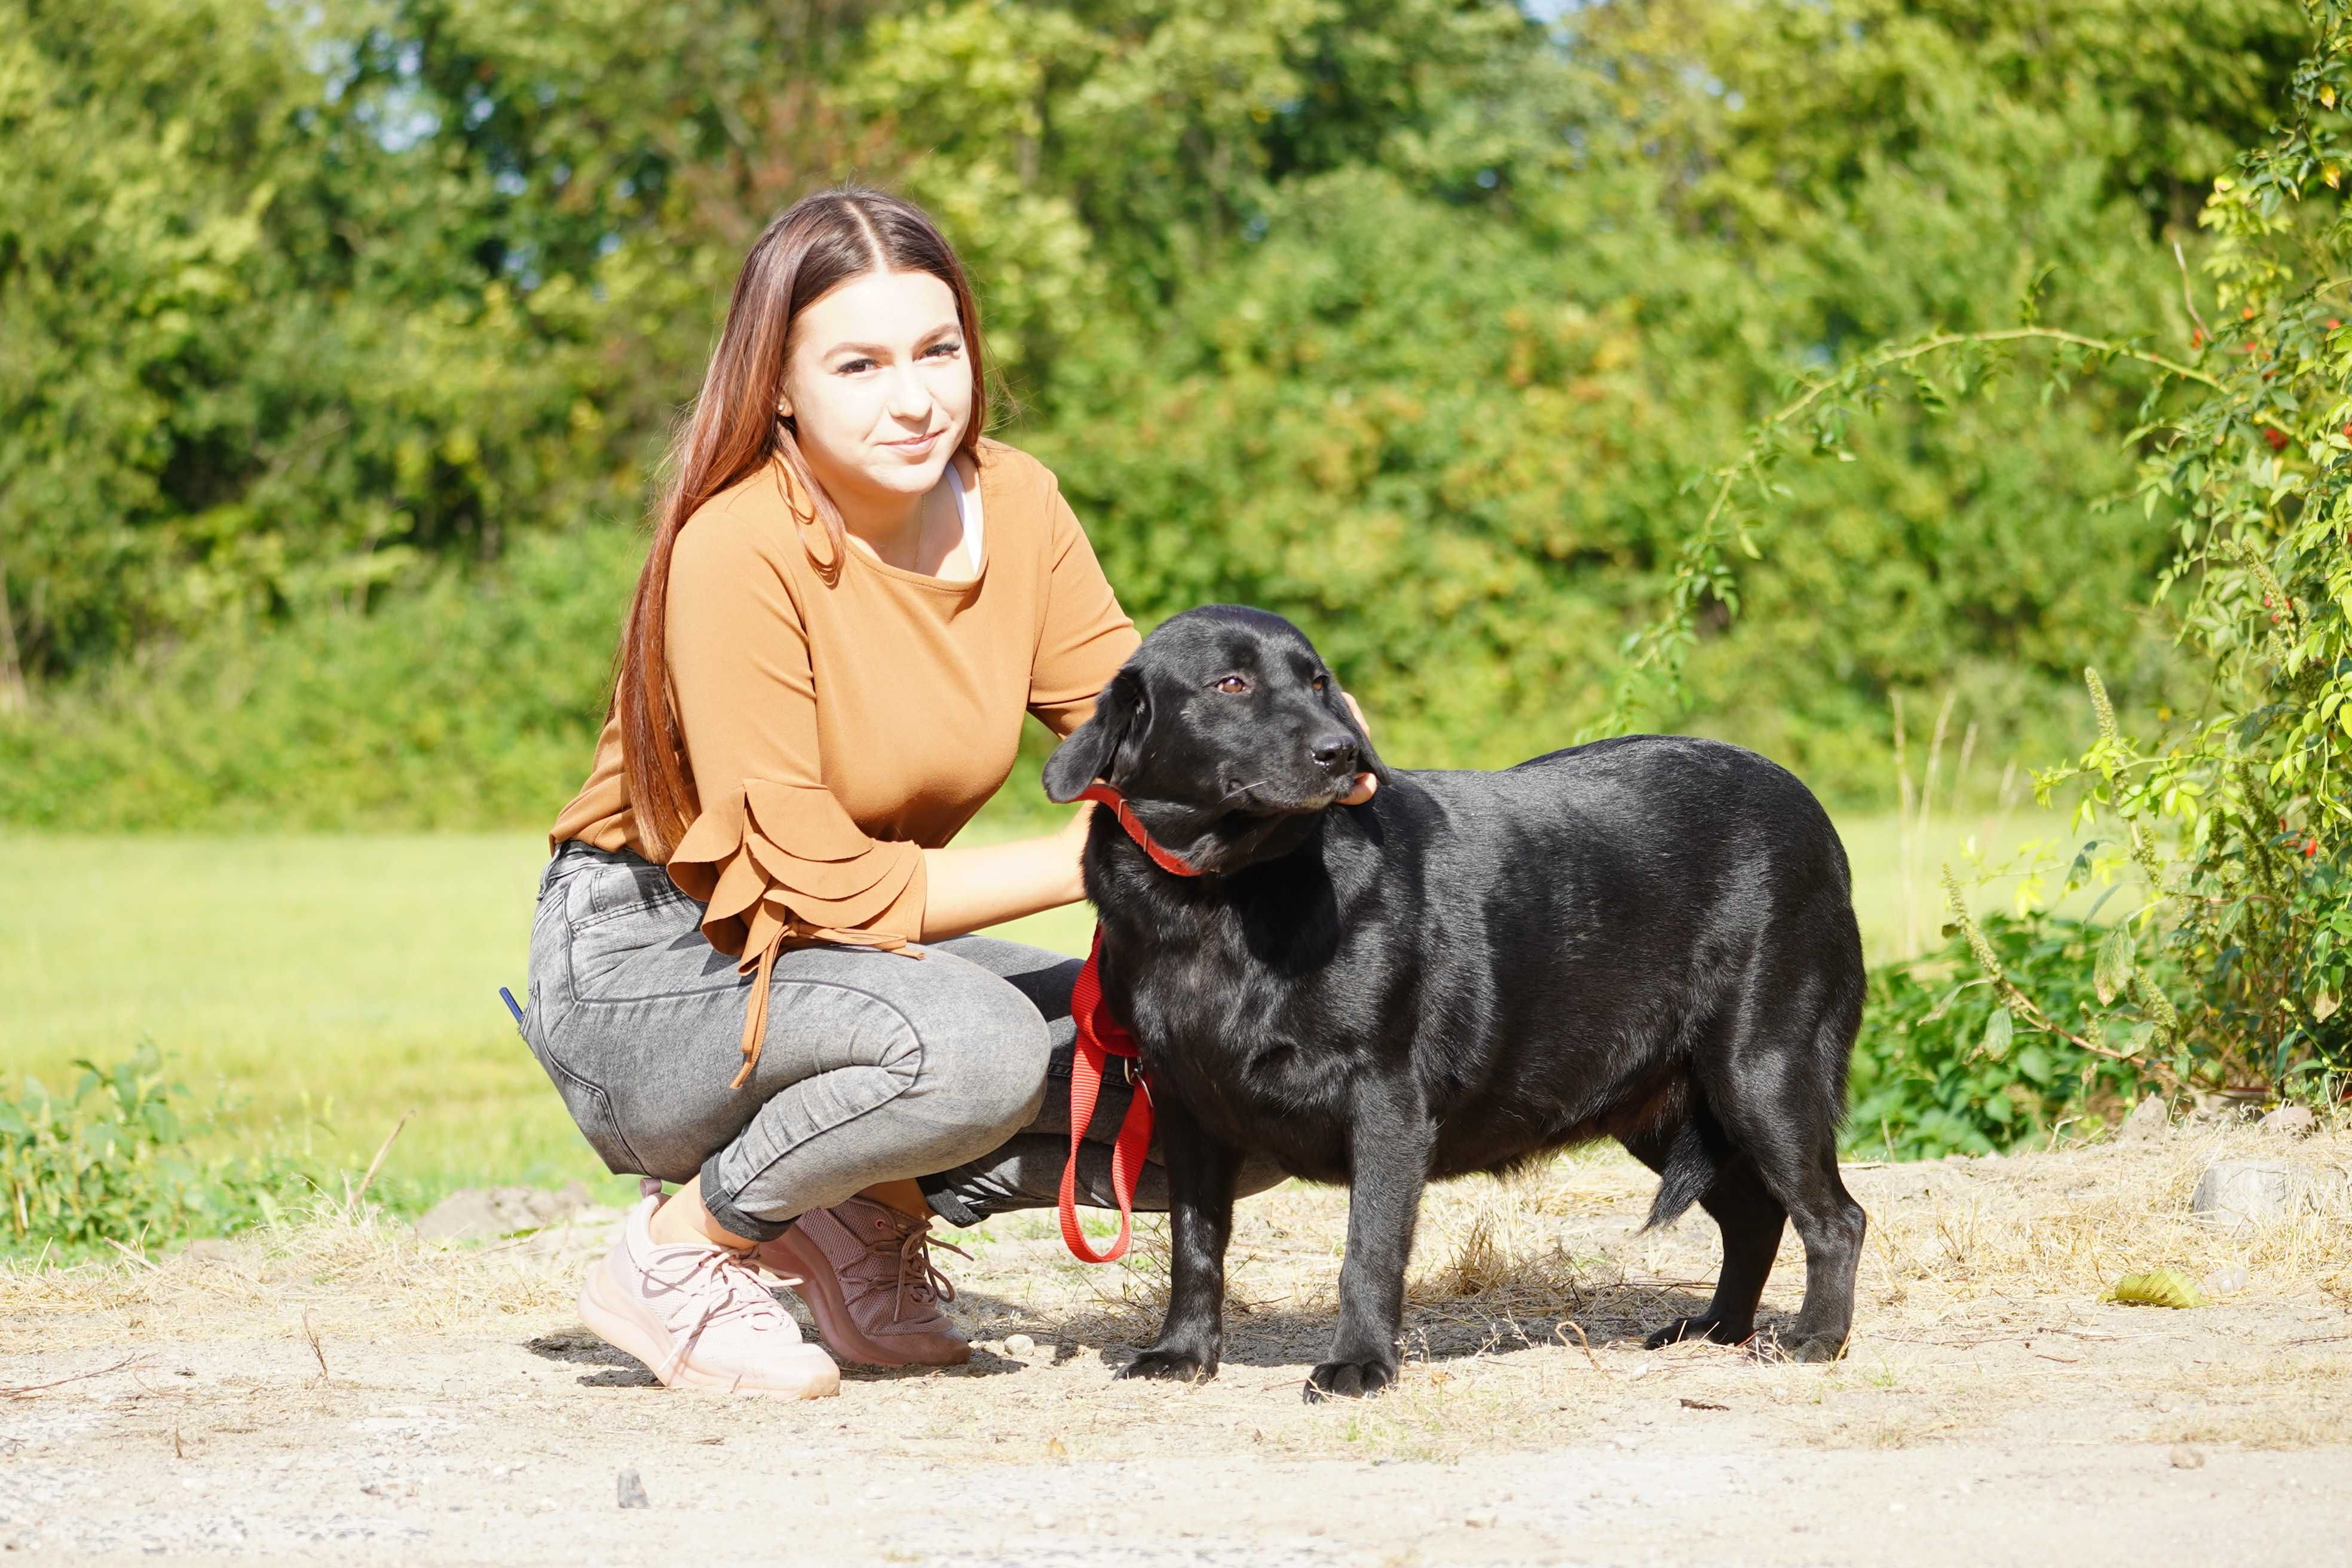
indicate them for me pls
(866, 1271)
(699, 1317)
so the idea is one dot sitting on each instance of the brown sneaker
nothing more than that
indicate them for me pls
(866, 1271)
(699, 1316)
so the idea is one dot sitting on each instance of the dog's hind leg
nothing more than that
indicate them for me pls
(1751, 1221)
(1780, 1108)
(1200, 1173)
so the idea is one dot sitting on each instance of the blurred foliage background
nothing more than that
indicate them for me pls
(337, 343)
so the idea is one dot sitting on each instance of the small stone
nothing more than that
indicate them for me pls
(633, 1490)
(2241, 1196)
(2291, 1121)
(482, 1213)
(2148, 1119)
(2185, 1457)
(2221, 1109)
(2222, 1281)
(1019, 1344)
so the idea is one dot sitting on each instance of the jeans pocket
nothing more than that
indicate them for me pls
(620, 888)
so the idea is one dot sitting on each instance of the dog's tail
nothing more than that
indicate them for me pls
(1693, 1157)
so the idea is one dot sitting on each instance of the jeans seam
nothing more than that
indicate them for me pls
(905, 1083)
(651, 902)
(612, 1119)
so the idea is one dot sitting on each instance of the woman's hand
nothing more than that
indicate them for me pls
(1365, 783)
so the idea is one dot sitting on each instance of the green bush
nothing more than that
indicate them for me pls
(477, 701)
(113, 1161)
(1940, 1068)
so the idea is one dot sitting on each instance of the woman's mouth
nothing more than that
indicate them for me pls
(914, 443)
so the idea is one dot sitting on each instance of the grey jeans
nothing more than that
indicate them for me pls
(953, 1068)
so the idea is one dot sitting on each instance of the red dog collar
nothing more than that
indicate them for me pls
(1166, 860)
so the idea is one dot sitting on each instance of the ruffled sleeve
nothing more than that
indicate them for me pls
(773, 853)
(770, 858)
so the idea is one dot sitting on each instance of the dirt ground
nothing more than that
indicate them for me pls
(341, 1390)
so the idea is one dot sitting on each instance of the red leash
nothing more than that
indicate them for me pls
(1101, 1036)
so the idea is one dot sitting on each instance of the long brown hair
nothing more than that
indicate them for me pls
(732, 430)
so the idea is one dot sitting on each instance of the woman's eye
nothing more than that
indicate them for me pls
(1233, 685)
(853, 366)
(951, 349)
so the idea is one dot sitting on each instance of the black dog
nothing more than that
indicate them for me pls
(1649, 938)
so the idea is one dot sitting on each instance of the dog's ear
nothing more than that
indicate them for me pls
(1089, 751)
(1337, 701)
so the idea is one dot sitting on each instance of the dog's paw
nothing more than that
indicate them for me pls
(1815, 1347)
(1713, 1330)
(1798, 1347)
(1181, 1366)
(1349, 1379)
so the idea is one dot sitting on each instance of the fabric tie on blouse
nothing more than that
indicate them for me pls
(822, 890)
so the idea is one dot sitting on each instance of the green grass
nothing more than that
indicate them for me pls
(328, 984)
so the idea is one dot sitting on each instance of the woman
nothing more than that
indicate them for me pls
(747, 969)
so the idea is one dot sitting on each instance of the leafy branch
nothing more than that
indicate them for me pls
(1703, 570)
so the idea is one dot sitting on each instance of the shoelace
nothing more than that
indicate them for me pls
(918, 1276)
(720, 1282)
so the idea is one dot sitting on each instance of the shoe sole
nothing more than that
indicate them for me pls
(608, 1317)
(817, 1287)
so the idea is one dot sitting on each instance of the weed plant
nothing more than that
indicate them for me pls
(112, 1162)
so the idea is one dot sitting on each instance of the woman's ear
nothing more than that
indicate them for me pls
(1087, 752)
(1337, 701)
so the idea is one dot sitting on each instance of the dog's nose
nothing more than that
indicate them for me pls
(1332, 749)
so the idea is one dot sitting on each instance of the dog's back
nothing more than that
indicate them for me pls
(1607, 914)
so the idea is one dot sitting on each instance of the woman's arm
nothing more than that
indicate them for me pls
(968, 887)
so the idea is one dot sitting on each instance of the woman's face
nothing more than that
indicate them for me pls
(878, 387)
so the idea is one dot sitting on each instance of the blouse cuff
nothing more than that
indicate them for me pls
(831, 884)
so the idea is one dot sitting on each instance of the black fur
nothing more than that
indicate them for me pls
(1649, 938)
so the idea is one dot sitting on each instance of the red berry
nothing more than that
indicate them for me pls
(2275, 437)
(2310, 848)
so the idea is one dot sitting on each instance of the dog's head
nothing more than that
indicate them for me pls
(1226, 733)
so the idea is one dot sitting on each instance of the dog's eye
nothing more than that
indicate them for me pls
(1321, 681)
(1231, 684)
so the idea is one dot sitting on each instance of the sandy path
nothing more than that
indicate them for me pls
(1992, 1411)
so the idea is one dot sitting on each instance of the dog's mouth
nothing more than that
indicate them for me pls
(1283, 797)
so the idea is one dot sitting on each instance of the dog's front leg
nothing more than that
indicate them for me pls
(1389, 1147)
(1201, 1173)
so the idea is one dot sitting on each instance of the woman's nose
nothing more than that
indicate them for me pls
(909, 398)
